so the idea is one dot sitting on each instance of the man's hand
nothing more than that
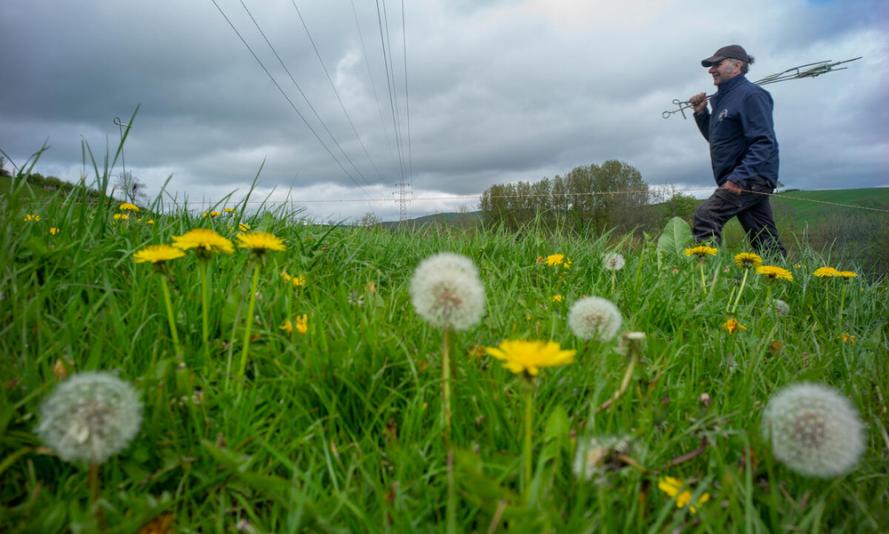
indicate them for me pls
(732, 187)
(699, 102)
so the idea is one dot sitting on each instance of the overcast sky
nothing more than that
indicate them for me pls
(498, 91)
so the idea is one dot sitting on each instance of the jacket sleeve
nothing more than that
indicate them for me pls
(703, 120)
(759, 135)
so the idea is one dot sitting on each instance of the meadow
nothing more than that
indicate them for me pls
(334, 420)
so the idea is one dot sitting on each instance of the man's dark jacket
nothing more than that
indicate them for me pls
(741, 133)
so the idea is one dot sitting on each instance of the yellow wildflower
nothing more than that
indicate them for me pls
(555, 259)
(558, 298)
(54, 230)
(848, 338)
(775, 273)
(157, 254)
(676, 489)
(244, 227)
(129, 206)
(748, 260)
(700, 251)
(302, 323)
(149, 221)
(228, 210)
(847, 274)
(732, 325)
(121, 217)
(204, 241)
(296, 281)
(528, 357)
(32, 217)
(260, 242)
(826, 272)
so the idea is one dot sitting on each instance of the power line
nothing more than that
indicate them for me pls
(389, 86)
(337, 93)
(298, 88)
(373, 84)
(287, 98)
(407, 100)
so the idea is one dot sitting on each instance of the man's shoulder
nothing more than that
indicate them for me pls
(750, 88)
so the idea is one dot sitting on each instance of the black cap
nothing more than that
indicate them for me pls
(730, 51)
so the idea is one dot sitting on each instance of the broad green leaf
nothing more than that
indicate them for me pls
(674, 239)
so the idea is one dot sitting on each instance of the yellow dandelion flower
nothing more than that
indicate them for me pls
(826, 272)
(676, 489)
(129, 206)
(302, 323)
(528, 357)
(204, 241)
(228, 210)
(157, 254)
(244, 227)
(121, 216)
(149, 221)
(32, 217)
(847, 274)
(260, 242)
(558, 298)
(848, 338)
(700, 251)
(54, 230)
(747, 260)
(775, 273)
(555, 259)
(287, 326)
(732, 325)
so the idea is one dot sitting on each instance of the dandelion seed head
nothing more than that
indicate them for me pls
(90, 417)
(596, 456)
(447, 293)
(594, 318)
(613, 261)
(781, 307)
(814, 430)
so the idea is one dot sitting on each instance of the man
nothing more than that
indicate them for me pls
(743, 153)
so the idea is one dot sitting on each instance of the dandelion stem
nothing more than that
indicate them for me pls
(169, 305)
(526, 457)
(451, 511)
(93, 476)
(205, 312)
(738, 297)
(446, 387)
(624, 383)
(249, 325)
(842, 302)
(703, 279)
(613, 282)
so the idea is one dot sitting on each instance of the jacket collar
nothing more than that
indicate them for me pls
(724, 88)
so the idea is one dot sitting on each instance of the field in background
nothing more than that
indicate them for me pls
(338, 429)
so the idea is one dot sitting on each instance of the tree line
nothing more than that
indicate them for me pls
(610, 195)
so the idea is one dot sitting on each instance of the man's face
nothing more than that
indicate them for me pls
(724, 70)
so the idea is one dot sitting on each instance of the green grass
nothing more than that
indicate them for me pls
(339, 430)
(808, 207)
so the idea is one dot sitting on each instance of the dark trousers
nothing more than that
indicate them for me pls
(753, 212)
